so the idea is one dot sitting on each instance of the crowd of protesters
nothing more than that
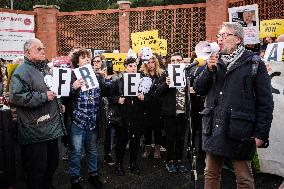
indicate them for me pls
(159, 116)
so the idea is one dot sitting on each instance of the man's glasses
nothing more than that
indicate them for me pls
(40, 48)
(178, 60)
(96, 61)
(224, 35)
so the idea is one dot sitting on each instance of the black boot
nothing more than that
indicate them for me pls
(95, 181)
(134, 168)
(75, 183)
(119, 169)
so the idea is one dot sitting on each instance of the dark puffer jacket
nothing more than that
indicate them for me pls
(237, 107)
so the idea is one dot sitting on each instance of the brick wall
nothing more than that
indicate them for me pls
(118, 30)
(46, 23)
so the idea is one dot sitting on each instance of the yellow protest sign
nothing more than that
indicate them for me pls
(117, 60)
(145, 39)
(163, 47)
(272, 28)
(10, 70)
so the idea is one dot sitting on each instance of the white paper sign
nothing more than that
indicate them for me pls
(247, 16)
(274, 52)
(88, 75)
(61, 81)
(177, 75)
(131, 83)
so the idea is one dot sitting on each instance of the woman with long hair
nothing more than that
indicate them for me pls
(154, 123)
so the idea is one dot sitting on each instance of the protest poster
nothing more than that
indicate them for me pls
(163, 47)
(15, 30)
(61, 81)
(117, 60)
(274, 52)
(145, 39)
(247, 16)
(62, 62)
(131, 83)
(177, 75)
(88, 75)
(271, 28)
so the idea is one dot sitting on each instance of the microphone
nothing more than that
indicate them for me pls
(196, 62)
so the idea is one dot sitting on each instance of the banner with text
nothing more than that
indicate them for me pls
(117, 60)
(271, 28)
(274, 52)
(61, 81)
(177, 75)
(15, 30)
(131, 83)
(247, 16)
(145, 39)
(271, 159)
(88, 75)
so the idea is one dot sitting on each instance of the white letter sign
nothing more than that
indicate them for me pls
(177, 75)
(61, 81)
(131, 82)
(88, 75)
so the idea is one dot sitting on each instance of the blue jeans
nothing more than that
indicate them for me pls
(81, 138)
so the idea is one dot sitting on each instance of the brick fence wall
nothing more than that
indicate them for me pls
(182, 25)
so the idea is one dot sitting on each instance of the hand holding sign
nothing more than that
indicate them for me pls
(51, 95)
(141, 96)
(121, 100)
(78, 84)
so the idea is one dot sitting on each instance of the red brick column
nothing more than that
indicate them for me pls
(124, 26)
(216, 14)
(46, 27)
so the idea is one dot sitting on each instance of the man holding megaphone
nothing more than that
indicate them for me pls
(238, 108)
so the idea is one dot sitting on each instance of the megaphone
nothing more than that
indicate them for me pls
(204, 49)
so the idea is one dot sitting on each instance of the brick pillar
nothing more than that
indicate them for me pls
(216, 14)
(124, 40)
(46, 27)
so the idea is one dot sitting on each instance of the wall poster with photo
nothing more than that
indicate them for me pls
(247, 16)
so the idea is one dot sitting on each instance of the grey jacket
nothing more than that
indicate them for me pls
(38, 119)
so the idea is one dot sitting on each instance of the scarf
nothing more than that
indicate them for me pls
(230, 59)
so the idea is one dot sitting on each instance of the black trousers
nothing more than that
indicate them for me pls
(40, 161)
(175, 127)
(107, 142)
(156, 126)
(125, 134)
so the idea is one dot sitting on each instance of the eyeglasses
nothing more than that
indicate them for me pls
(178, 60)
(96, 61)
(224, 35)
(40, 48)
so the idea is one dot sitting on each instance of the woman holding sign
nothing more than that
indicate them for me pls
(131, 113)
(152, 69)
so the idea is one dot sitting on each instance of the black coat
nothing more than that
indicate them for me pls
(168, 96)
(237, 107)
(132, 113)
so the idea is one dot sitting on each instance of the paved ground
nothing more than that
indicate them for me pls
(155, 176)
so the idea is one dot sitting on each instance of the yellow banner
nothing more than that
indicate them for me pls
(145, 39)
(163, 47)
(272, 28)
(117, 60)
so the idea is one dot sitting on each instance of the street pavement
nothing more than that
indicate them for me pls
(154, 176)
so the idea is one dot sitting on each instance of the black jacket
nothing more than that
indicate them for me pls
(237, 107)
(132, 112)
(168, 95)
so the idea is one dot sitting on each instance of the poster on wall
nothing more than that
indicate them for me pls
(247, 16)
(15, 30)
